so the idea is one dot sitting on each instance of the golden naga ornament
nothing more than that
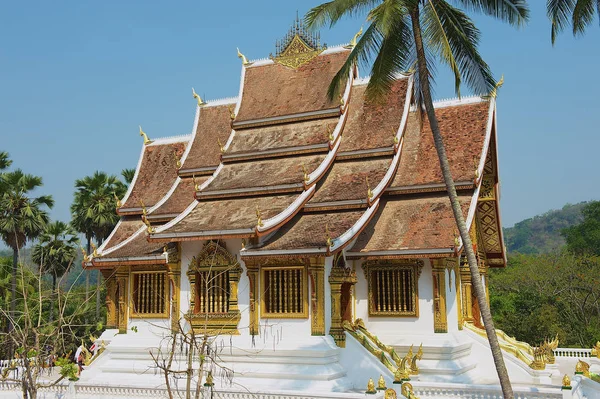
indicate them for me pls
(369, 191)
(371, 387)
(221, 147)
(354, 40)
(582, 368)
(243, 58)
(86, 257)
(145, 136)
(566, 382)
(259, 221)
(596, 350)
(328, 240)
(414, 369)
(94, 250)
(305, 173)
(117, 200)
(494, 92)
(330, 134)
(381, 383)
(149, 228)
(232, 112)
(390, 394)
(199, 99)
(196, 185)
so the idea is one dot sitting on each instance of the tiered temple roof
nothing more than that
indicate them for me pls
(302, 173)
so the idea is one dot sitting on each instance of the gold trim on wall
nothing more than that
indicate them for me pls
(440, 319)
(151, 294)
(287, 292)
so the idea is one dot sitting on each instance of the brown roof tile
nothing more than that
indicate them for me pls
(182, 196)
(137, 247)
(281, 136)
(373, 125)
(463, 129)
(228, 214)
(125, 229)
(274, 90)
(346, 180)
(411, 224)
(270, 172)
(156, 174)
(308, 230)
(214, 124)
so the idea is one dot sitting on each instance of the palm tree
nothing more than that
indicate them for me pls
(55, 252)
(22, 218)
(93, 213)
(407, 34)
(578, 13)
(128, 175)
(5, 161)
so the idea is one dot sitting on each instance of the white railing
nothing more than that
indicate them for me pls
(480, 392)
(572, 352)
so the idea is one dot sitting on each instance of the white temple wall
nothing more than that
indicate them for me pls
(147, 326)
(393, 326)
(451, 301)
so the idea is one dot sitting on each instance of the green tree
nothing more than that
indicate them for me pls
(93, 212)
(22, 218)
(404, 34)
(577, 13)
(128, 175)
(584, 238)
(54, 253)
(5, 161)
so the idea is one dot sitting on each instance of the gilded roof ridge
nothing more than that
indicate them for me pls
(267, 61)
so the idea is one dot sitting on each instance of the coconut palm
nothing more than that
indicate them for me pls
(22, 218)
(93, 212)
(5, 161)
(55, 252)
(128, 175)
(404, 35)
(578, 13)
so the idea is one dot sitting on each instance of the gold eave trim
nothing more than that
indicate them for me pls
(274, 120)
(244, 192)
(403, 254)
(277, 152)
(202, 235)
(206, 171)
(336, 205)
(427, 188)
(375, 152)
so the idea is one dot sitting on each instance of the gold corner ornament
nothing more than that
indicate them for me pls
(369, 191)
(354, 40)
(494, 92)
(145, 136)
(245, 61)
(94, 250)
(221, 147)
(330, 133)
(86, 257)
(196, 185)
(232, 112)
(329, 241)
(117, 200)
(149, 228)
(259, 222)
(305, 176)
(582, 368)
(199, 99)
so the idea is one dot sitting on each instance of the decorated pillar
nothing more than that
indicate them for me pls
(122, 282)
(111, 297)
(440, 320)
(466, 291)
(316, 271)
(252, 273)
(174, 268)
(340, 278)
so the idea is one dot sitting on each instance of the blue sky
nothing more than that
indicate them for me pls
(77, 77)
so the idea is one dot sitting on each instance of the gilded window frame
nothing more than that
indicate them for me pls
(134, 314)
(415, 268)
(304, 290)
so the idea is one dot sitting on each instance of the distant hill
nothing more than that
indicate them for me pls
(541, 233)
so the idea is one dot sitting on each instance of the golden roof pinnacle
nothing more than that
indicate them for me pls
(369, 191)
(232, 112)
(498, 85)
(328, 241)
(259, 222)
(86, 257)
(305, 171)
(196, 185)
(243, 58)
(330, 133)
(355, 39)
(221, 147)
(145, 136)
(94, 250)
(118, 201)
(199, 99)
(149, 227)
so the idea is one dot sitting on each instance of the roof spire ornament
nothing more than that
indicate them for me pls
(232, 112)
(196, 185)
(369, 191)
(259, 222)
(298, 46)
(86, 257)
(201, 102)
(117, 200)
(221, 148)
(243, 57)
(328, 241)
(305, 172)
(494, 92)
(329, 133)
(94, 250)
(354, 40)
(149, 227)
(145, 136)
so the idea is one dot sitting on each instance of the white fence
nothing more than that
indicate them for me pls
(572, 352)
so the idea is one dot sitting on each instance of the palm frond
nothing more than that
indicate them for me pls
(453, 37)
(583, 15)
(559, 12)
(514, 12)
(331, 12)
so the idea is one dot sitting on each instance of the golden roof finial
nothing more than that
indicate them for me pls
(396, 141)
(178, 163)
(118, 201)
(355, 38)
(145, 136)
(221, 148)
(328, 241)
(144, 210)
(259, 221)
(369, 191)
(243, 57)
(305, 172)
(342, 100)
(199, 99)
(476, 167)
(149, 227)
(329, 133)
(86, 257)
(243, 243)
(456, 240)
(232, 112)
(498, 85)
(196, 185)
(94, 250)
(566, 382)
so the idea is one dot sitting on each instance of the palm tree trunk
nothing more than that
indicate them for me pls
(87, 272)
(51, 317)
(98, 295)
(13, 288)
(456, 209)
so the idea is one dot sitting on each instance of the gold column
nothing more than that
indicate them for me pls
(440, 320)
(111, 299)
(339, 276)
(122, 282)
(465, 283)
(252, 272)
(457, 285)
(317, 296)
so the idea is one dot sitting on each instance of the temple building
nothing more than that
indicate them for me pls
(311, 239)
